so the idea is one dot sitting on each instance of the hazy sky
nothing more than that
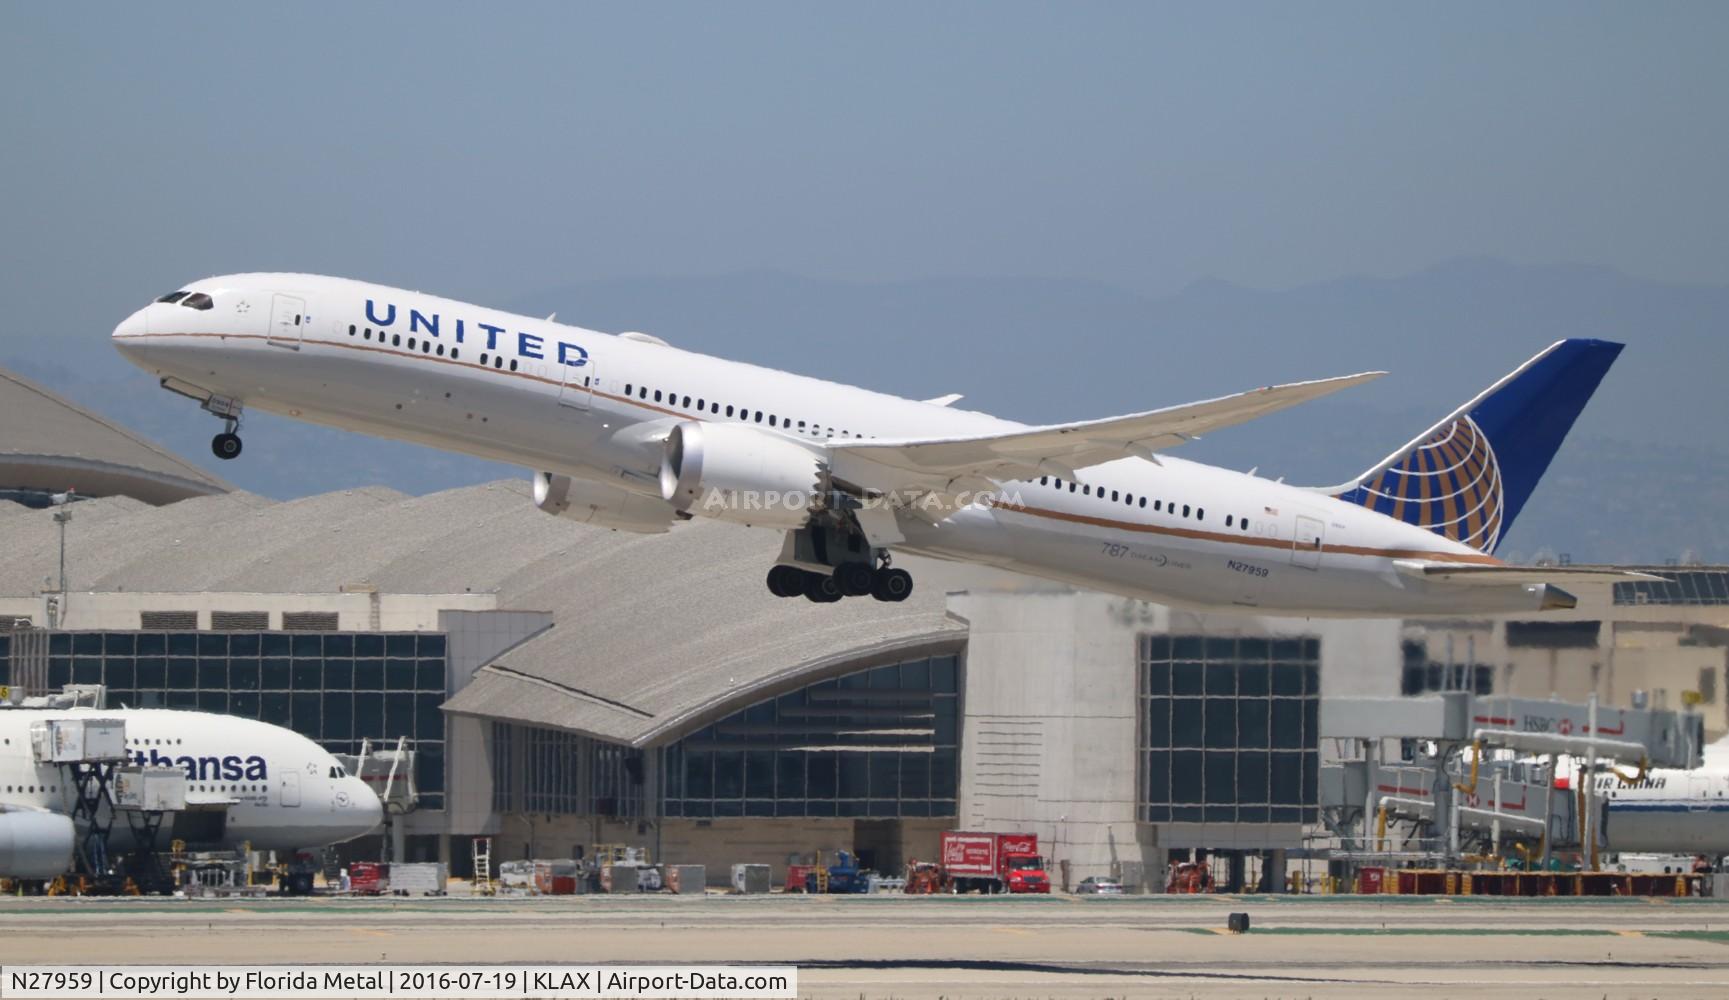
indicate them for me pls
(490, 150)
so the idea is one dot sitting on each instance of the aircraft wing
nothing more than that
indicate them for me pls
(981, 462)
(1501, 576)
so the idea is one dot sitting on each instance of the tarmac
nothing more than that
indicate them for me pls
(950, 947)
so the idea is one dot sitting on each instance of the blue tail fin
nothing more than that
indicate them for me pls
(1467, 477)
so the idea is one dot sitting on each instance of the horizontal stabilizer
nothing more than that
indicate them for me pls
(1501, 576)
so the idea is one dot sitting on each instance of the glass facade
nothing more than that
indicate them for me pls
(1683, 586)
(337, 688)
(1229, 729)
(550, 771)
(881, 743)
(1421, 675)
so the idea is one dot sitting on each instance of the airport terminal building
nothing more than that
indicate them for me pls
(566, 687)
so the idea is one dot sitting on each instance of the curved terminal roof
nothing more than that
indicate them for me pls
(653, 634)
(52, 444)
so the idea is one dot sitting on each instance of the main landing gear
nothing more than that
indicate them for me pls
(831, 558)
(852, 579)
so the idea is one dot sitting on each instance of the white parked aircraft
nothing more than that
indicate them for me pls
(247, 782)
(630, 433)
(1669, 811)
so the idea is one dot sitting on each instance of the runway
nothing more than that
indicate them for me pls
(952, 947)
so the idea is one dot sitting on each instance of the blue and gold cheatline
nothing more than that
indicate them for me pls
(1449, 484)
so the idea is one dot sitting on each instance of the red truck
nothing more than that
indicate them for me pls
(993, 862)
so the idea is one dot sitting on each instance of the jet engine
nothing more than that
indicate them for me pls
(35, 844)
(606, 506)
(741, 474)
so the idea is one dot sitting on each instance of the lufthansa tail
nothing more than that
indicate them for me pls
(1467, 477)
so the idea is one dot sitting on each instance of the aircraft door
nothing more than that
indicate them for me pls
(287, 321)
(1306, 542)
(290, 788)
(1698, 793)
(576, 386)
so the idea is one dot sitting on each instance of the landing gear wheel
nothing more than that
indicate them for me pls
(785, 581)
(854, 579)
(892, 585)
(819, 589)
(226, 445)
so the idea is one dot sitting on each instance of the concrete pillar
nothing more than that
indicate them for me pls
(1158, 863)
(1238, 867)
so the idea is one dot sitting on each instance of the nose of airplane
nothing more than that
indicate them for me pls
(134, 325)
(364, 806)
(128, 337)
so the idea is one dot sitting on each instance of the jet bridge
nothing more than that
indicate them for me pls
(104, 787)
(390, 773)
(1480, 771)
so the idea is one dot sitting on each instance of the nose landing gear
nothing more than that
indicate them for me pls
(227, 444)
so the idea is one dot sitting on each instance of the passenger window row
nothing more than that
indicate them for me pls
(1130, 500)
(424, 346)
(703, 405)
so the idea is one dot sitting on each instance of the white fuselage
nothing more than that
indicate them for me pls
(1668, 811)
(571, 401)
(277, 789)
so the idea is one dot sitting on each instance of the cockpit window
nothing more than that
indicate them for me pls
(173, 297)
(198, 300)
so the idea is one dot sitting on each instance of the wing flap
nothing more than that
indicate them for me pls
(1062, 448)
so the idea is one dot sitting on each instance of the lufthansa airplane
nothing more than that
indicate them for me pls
(631, 433)
(247, 782)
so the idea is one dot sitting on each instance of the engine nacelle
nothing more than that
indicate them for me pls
(35, 844)
(605, 506)
(740, 474)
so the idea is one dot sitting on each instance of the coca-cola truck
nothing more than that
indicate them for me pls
(993, 862)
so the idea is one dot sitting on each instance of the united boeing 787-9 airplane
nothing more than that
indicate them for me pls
(628, 432)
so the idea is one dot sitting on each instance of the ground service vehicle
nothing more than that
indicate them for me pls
(1098, 885)
(1189, 878)
(993, 862)
(844, 876)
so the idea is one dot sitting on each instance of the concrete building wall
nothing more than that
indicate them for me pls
(478, 637)
(468, 778)
(1050, 740)
(1049, 732)
(1664, 651)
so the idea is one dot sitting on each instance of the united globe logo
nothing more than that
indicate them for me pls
(1450, 484)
